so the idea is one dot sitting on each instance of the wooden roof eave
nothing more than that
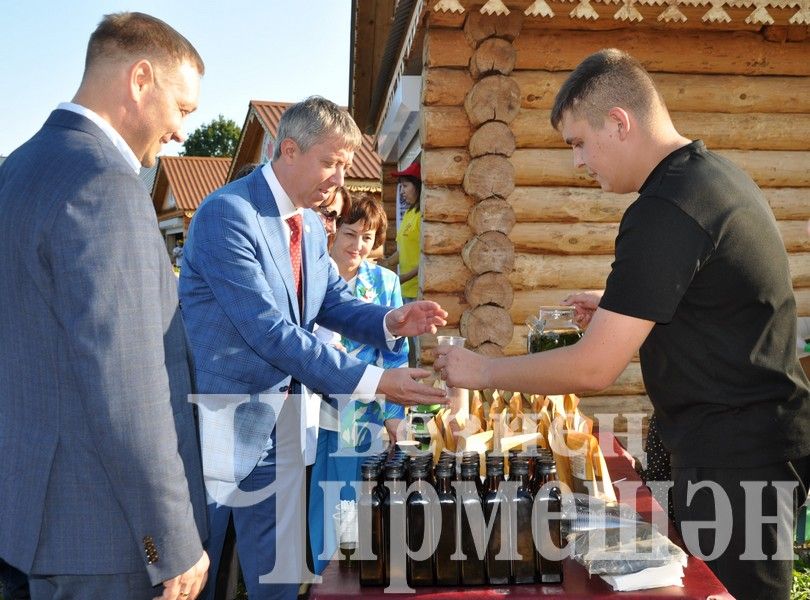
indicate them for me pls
(400, 43)
(720, 13)
(169, 214)
(793, 16)
(160, 189)
(238, 159)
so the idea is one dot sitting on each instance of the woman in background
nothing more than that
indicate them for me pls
(336, 207)
(356, 428)
(408, 235)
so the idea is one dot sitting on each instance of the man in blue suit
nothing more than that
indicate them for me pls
(250, 314)
(102, 489)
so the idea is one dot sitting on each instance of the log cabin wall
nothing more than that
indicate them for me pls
(510, 225)
(389, 200)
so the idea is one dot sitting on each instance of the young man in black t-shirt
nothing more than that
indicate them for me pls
(701, 289)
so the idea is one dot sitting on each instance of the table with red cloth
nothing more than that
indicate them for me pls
(341, 581)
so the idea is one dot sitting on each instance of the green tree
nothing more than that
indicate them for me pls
(217, 138)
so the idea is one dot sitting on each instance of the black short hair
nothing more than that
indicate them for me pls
(605, 79)
(417, 183)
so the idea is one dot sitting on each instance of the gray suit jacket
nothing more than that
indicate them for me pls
(100, 469)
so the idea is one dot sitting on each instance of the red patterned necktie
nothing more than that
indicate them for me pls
(295, 251)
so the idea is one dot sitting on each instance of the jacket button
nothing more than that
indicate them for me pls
(152, 555)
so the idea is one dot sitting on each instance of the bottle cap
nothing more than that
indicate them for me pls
(393, 472)
(370, 470)
(444, 470)
(519, 468)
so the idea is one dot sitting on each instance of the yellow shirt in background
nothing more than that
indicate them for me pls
(408, 246)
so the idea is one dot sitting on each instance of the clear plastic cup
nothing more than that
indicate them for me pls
(458, 396)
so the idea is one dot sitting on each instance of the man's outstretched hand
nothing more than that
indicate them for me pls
(402, 387)
(416, 318)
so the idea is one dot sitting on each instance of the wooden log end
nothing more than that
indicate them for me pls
(493, 137)
(490, 251)
(489, 288)
(495, 97)
(490, 349)
(492, 214)
(493, 56)
(479, 26)
(488, 176)
(486, 324)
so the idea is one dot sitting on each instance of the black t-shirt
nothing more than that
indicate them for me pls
(700, 254)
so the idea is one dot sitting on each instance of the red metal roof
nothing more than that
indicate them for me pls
(366, 164)
(190, 179)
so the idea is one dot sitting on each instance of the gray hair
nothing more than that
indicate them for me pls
(312, 121)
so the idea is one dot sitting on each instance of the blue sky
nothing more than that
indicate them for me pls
(282, 50)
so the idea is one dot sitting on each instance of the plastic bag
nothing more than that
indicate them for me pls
(622, 550)
(587, 513)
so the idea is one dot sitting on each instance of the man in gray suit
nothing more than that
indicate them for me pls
(103, 493)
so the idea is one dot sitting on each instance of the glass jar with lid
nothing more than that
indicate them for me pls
(553, 328)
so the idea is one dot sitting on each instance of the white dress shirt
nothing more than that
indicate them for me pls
(119, 142)
(367, 386)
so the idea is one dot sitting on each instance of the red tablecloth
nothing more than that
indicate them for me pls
(341, 582)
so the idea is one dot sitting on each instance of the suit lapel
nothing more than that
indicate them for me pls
(275, 236)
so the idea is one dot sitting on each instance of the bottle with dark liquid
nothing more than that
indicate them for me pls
(554, 328)
(495, 511)
(420, 528)
(394, 525)
(422, 459)
(446, 461)
(473, 571)
(474, 459)
(548, 570)
(445, 568)
(523, 567)
(370, 515)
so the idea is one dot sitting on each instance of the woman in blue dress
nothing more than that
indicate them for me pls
(352, 429)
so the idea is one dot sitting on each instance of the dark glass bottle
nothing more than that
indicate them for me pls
(469, 457)
(468, 499)
(420, 528)
(370, 515)
(394, 525)
(475, 460)
(446, 569)
(532, 456)
(548, 570)
(511, 456)
(448, 463)
(495, 512)
(522, 547)
(421, 461)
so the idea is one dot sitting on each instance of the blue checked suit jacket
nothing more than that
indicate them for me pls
(100, 460)
(240, 307)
